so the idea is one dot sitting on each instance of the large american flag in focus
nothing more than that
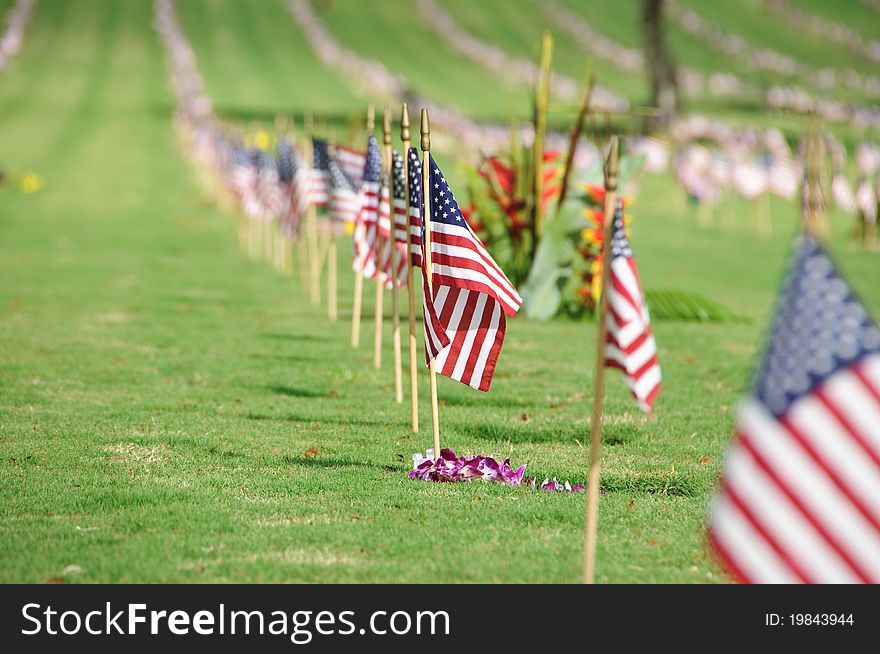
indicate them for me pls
(465, 315)
(630, 344)
(800, 498)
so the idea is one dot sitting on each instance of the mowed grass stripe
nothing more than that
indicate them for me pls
(256, 63)
(395, 34)
(518, 33)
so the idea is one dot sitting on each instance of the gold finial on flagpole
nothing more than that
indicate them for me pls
(426, 132)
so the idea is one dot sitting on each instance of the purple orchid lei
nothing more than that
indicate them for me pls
(449, 467)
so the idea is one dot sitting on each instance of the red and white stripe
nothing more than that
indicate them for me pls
(460, 259)
(630, 344)
(784, 178)
(384, 243)
(319, 187)
(464, 332)
(365, 230)
(800, 500)
(842, 193)
(749, 179)
(344, 205)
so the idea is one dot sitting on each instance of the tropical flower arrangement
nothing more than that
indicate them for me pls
(558, 272)
(501, 210)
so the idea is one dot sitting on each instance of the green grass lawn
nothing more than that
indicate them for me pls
(171, 411)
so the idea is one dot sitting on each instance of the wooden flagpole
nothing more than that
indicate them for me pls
(282, 245)
(380, 284)
(395, 305)
(813, 207)
(592, 515)
(301, 256)
(312, 218)
(359, 273)
(332, 291)
(426, 218)
(410, 280)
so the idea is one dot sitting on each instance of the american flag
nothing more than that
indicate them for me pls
(365, 228)
(630, 345)
(284, 160)
(251, 200)
(784, 178)
(294, 198)
(842, 193)
(656, 153)
(800, 498)
(300, 192)
(243, 178)
(399, 211)
(416, 229)
(464, 317)
(749, 179)
(344, 196)
(383, 244)
(269, 197)
(319, 189)
(352, 162)
(866, 200)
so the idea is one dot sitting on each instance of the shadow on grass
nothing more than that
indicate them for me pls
(324, 462)
(528, 432)
(296, 358)
(292, 391)
(619, 434)
(519, 433)
(278, 336)
(303, 420)
(487, 400)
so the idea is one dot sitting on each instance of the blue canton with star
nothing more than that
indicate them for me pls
(398, 179)
(619, 241)
(339, 178)
(285, 160)
(820, 327)
(444, 208)
(373, 161)
(320, 155)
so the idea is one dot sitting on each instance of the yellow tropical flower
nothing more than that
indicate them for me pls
(31, 182)
(262, 140)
